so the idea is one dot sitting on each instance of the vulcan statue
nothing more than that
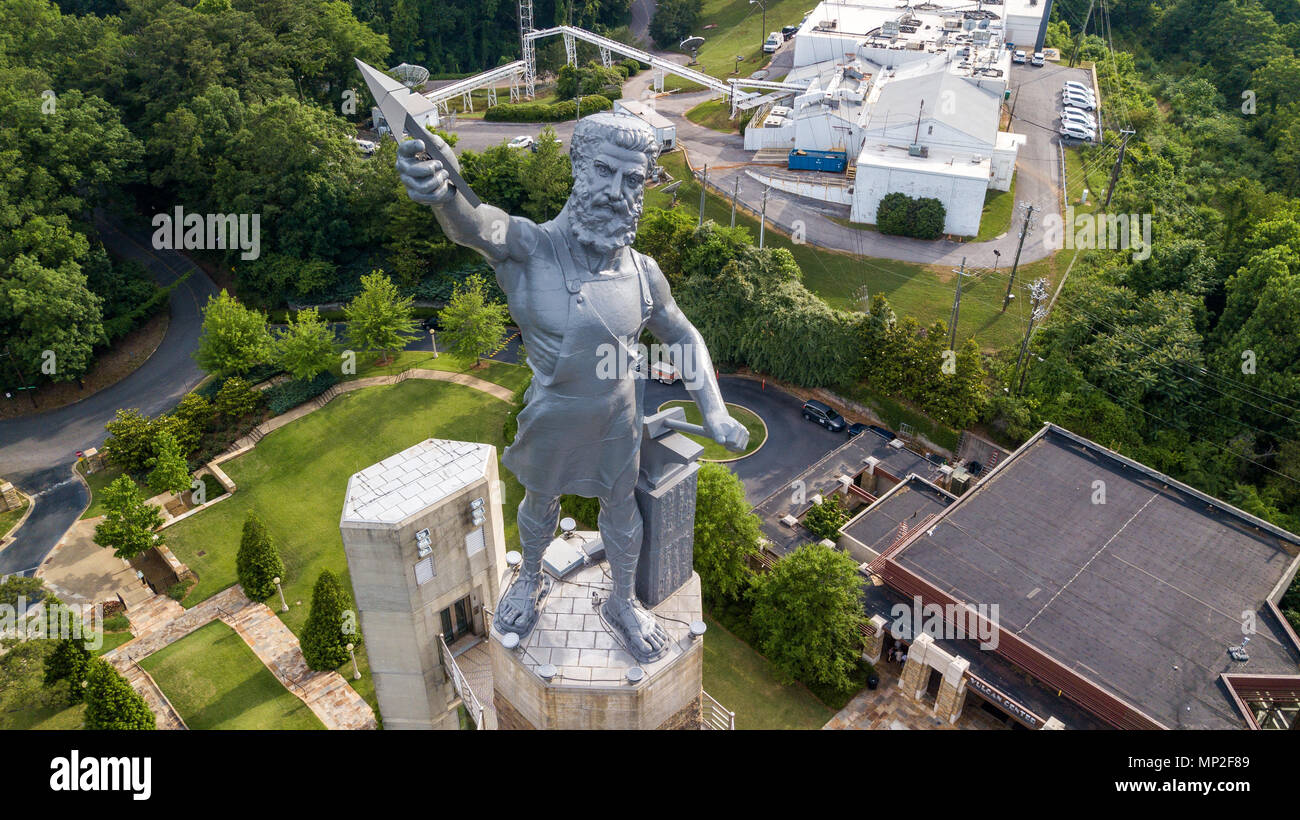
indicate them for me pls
(579, 293)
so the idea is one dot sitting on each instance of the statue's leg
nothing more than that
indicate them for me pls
(538, 517)
(620, 531)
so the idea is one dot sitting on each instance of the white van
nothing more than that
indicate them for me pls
(1070, 98)
(1077, 132)
(772, 43)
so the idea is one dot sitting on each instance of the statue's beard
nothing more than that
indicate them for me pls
(601, 223)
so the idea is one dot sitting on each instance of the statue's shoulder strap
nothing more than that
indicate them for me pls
(643, 276)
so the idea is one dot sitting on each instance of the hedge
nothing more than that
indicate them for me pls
(902, 215)
(541, 112)
(287, 395)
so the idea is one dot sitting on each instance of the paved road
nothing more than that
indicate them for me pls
(793, 445)
(37, 452)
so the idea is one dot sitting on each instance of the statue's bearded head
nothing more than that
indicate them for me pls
(611, 156)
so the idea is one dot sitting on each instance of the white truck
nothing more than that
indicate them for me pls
(663, 127)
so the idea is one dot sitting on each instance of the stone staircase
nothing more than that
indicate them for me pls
(148, 614)
(327, 694)
(165, 714)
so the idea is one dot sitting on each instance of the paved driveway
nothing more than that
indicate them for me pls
(37, 452)
(792, 444)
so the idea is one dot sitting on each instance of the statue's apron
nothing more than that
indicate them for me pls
(580, 432)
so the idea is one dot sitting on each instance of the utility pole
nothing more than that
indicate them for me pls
(704, 189)
(1024, 231)
(956, 306)
(1038, 292)
(1114, 172)
(734, 195)
(1079, 40)
(762, 219)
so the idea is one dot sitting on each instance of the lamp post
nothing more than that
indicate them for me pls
(433, 340)
(356, 673)
(763, 5)
(284, 606)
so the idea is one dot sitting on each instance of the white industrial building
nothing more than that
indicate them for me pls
(912, 94)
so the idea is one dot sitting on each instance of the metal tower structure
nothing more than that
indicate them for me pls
(529, 55)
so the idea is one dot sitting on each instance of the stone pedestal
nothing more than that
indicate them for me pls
(916, 671)
(874, 641)
(590, 688)
(952, 691)
(665, 494)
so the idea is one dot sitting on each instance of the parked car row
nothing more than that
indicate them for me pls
(1077, 120)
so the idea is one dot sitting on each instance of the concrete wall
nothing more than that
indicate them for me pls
(962, 197)
(400, 618)
(812, 187)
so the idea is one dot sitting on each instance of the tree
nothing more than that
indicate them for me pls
(192, 416)
(236, 398)
(726, 532)
(234, 338)
(378, 318)
(471, 325)
(825, 519)
(69, 661)
(674, 21)
(129, 521)
(130, 440)
(111, 703)
(329, 625)
(306, 347)
(258, 563)
(807, 612)
(170, 473)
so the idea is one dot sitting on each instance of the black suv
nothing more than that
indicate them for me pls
(788, 31)
(823, 415)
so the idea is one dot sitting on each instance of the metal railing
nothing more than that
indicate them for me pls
(461, 683)
(715, 716)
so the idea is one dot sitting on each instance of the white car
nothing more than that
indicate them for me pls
(1076, 86)
(1018, 57)
(1039, 59)
(524, 141)
(1079, 101)
(1077, 132)
(365, 146)
(1073, 116)
(772, 43)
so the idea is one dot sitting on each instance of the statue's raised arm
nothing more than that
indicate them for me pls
(483, 227)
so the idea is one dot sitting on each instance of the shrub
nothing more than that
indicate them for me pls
(236, 398)
(825, 519)
(70, 661)
(257, 564)
(111, 703)
(539, 112)
(902, 215)
(330, 625)
(288, 395)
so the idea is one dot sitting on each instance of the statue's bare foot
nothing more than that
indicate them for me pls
(517, 611)
(645, 637)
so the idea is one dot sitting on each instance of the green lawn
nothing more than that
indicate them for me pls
(10, 517)
(715, 114)
(922, 291)
(714, 451)
(214, 681)
(995, 220)
(25, 713)
(745, 682)
(740, 31)
(97, 482)
(296, 478)
(510, 376)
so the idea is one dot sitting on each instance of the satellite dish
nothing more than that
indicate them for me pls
(567, 525)
(692, 44)
(410, 75)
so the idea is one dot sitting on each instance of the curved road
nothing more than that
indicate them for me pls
(37, 453)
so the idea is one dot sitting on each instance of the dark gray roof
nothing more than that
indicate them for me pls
(911, 500)
(1142, 594)
(848, 459)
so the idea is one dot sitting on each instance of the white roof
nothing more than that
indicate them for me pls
(405, 484)
(941, 163)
